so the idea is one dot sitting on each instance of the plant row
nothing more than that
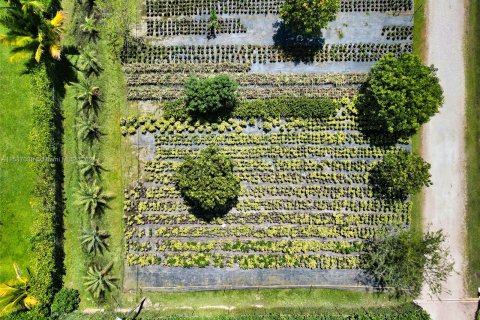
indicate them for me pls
(271, 217)
(187, 26)
(186, 68)
(136, 51)
(244, 261)
(246, 152)
(138, 78)
(154, 92)
(396, 33)
(290, 204)
(155, 8)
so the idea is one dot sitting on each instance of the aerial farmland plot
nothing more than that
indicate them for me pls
(305, 206)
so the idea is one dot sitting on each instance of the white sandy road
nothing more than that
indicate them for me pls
(444, 149)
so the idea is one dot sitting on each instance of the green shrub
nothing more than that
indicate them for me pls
(399, 175)
(207, 183)
(210, 97)
(400, 95)
(66, 301)
(309, 17)
(299, 107)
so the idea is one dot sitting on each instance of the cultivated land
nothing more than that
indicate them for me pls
(305, 206)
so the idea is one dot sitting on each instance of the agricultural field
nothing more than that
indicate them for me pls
(305, 206)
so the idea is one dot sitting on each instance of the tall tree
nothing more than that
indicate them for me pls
(92, 199)
(31, 30)
(100, 281)
(94, 240)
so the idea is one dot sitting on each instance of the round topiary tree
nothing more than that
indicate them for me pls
(207, 182)
(210, 97)
(66, 301)
(399, 175)
(400, 95)
(309, 17)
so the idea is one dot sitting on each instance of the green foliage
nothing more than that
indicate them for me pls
(400, 95)
(210, 97)
(89, 97)
(91, 199)
(66, 301)
(90, 168)
(301, 107)
(89, 130)
(403, 312)
(404, 262)
(207, 183)
(99, 281)
(15, 295)
(309, 17)
(46, 261)
(94, 241)
(400, 175)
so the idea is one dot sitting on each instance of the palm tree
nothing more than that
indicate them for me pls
(89, 27)
(89, 64)
(93, 240)
(92, 199)
(89, 95)
(31, 31)
(90, 167)
(89, 130)
(15, 295)
(99, 280)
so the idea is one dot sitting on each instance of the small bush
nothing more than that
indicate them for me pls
(207, 183)
(210, 97)
(66, 301)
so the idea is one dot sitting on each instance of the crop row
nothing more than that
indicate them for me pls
(398, 32)
(273, 217)
(136, 51)
(290, 204)
(245, 246)
(168, 8)
(259, 191)
(186, 26)
(245, 79)
(185, 68)
(282, 138)
(202, 260)
(154, 92)
(250, 152)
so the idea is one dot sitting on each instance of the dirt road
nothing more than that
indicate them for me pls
(443, 147)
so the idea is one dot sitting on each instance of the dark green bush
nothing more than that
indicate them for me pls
(207, 183)
(399, 175)
(400, 95)
(66, 301)
(300, 107)
(210, 97)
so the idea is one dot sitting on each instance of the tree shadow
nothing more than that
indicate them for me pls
(296, 47)
(210, 215)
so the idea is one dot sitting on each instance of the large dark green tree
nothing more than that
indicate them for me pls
(399, 175)
(400, 95)
(210, 97)
(404, 261)
(309, 17)
(207, 182)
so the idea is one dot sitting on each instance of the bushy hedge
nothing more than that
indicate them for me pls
(46, 261)
(403, 312)
(299, 107)
(66, 301)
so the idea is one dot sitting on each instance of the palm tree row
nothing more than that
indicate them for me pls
(91, 199)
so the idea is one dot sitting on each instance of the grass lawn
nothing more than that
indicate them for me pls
(473, 145)
(17, 180)
(264, 301)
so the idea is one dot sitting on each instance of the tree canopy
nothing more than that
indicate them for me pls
(210, 97)
(207, 183)
(400, 95)
(404, 261)
(309, 17)
(399, 175)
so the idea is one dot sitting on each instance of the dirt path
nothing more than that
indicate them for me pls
(443, 148)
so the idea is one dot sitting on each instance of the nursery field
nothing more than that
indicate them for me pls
(305, 206)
